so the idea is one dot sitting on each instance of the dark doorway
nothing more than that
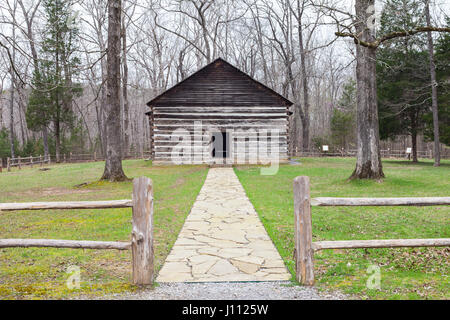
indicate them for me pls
(219, 145)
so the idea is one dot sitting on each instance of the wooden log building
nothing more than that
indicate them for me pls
(219, 115)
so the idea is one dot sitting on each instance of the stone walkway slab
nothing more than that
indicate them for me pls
(223, 238)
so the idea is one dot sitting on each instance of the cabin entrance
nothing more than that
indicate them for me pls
(220, 145)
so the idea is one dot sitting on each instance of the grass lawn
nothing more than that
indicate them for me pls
(36, 273)
(406, 273)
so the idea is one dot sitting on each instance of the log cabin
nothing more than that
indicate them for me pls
(219, 115)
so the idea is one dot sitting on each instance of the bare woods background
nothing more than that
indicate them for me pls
(288, 45)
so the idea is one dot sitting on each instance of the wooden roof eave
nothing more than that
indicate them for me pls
(149, 113)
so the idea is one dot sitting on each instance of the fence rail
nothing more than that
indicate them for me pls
(427, 201)
(385, 243)
(25, 161)
(75, 244)
(64, 158)
(402, 154)
(67, 205)
(305, 247)
(141, 243)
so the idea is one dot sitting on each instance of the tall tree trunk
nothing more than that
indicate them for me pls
(298, 115)
(414, 118)
(205, 39)
(58, 101)
(126, 104)
(45, 142)
(305, 131)
(100, 127)
(101, 110)
(1, 109)
(21, 106)
(434, 98)
(68, 84)
(305, 113)
(113, 165)
(101, 114)
(57, 140)
(11, 114)
(368, 158)
(414, 145)
(11, 101)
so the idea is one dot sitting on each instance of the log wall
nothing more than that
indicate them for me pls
(219, 98)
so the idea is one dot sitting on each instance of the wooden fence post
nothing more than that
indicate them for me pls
(8, 164)
(20, 166)
(31, 161)
(142, 233)
(95, 156)
(304, 253)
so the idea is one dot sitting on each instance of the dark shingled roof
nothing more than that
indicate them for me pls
(206, 69)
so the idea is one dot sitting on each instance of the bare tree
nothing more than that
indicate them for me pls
(202, 24)
(13, 82)
(304, 112)
(125, 101)
(113, 165)
(368, 157)
(434, 97)
(362, 31)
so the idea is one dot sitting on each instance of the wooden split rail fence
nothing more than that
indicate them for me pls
(65, 158)
(395, 154)
(141, 244)
(305, 247)
(25, 161)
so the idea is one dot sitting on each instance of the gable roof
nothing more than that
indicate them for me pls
(210, 70)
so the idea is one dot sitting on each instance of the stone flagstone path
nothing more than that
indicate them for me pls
(222, 238)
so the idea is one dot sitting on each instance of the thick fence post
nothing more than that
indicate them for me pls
(304, 253)
(20, 165)
(142, 233)
(8, 164)
(31, 161)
